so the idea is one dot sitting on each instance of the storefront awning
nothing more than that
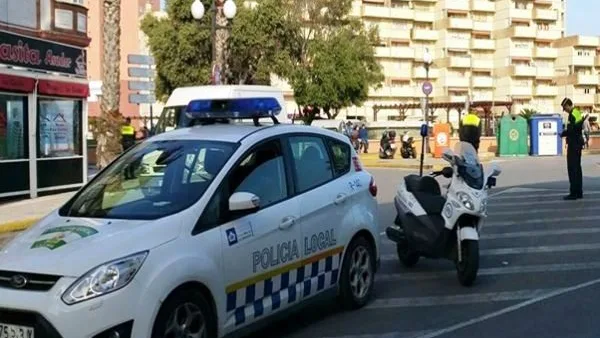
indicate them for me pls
(16, 83)
(66, 89)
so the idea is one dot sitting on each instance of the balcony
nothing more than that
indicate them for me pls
(402, 92)
(543, 2)
(454, 43)
(424, 34)
(375, 11)
(549, 35)
(419, 72)
(458, 23)
(545, 90)
(587, 79)
(455, 62)
(404, 13)
(523, 71)
(394, 34)
(483, 64)
(597, 98)
(521, 14)
(521, 52)
(454, 81)
(585, 61)
(598, 61)
(457, 5)
(380, 92)
(584, 99)
(545, 14)
(545, 72)
(520, 91)
(421, 16)
(482, 82)
(483, 6)
(523, 32)
(485, 26)
(483, 44)
(545, 53)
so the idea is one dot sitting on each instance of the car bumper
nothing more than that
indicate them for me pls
(52, 318)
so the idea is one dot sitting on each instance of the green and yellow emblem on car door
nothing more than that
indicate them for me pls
(54, 238)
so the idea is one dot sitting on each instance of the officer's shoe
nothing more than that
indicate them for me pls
(571, 197)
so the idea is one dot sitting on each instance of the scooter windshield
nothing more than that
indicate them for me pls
(468, 165)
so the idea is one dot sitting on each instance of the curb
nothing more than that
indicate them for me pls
(17, 225)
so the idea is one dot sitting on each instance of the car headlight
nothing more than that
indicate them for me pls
(483, 207)
(466, 200)
(104, 279)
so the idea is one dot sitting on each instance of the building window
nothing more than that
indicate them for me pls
(586, 90)
(63, 19)
(59, 123)
(13, 125)
(81, 23)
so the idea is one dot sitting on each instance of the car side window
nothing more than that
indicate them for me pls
(312, 162)
(341, 156)
(262, 173)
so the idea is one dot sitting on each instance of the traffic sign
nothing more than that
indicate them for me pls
(141, 98)
(140, 72)
(140, 85)
(138, 59)
(427, 88)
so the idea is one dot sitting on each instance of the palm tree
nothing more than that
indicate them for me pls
(107, 129)
(527, 113)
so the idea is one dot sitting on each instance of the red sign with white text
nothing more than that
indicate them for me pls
(16, 83)
(60, 88)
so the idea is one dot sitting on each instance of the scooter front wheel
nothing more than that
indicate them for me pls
(466, 270)
(407, 257)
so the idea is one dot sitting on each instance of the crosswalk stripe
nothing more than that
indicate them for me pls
(472, 298)
(536, 211)
(505, 195)
(568, 221)
(521, 204)
(522, 250)
(506, 270)
(409, 334)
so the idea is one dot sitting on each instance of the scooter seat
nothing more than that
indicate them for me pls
(427, 192)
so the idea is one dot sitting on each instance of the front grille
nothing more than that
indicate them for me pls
(31, 319)
(27, 281)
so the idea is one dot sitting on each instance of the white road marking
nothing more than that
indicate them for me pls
(505, 270)
(538, 211)
(536, 203)
(472, 298)
(409, 334)
(530, 196)
(569, 221)
(509, 309)
(522, 250)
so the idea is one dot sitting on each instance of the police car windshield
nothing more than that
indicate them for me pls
(152, 180)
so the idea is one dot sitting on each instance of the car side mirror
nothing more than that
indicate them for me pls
(244, 202)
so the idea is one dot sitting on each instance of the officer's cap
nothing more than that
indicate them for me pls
(566, 101)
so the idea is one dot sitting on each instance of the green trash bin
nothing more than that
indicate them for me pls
(512, 136)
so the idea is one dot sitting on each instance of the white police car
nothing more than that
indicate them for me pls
(199, 232)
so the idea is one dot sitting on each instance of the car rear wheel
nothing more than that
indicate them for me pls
(187, 314)
(358, 274)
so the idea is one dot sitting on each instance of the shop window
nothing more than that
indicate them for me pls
(59, 128)
(13, 127)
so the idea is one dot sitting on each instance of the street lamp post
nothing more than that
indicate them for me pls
(427, 61)
(427, 88)
(229, 11)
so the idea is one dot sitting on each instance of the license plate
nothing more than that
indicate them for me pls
(15, 331)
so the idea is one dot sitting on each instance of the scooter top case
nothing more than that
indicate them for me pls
(425, 233)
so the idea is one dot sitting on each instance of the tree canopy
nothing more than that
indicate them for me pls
(326, 56)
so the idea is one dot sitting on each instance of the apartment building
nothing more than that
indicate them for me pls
(132, 11)
(485, 50)
(577, 68)
(43, 91)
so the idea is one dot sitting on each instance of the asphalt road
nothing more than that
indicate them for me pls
(539, 269)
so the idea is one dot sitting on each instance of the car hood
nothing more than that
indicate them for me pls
(72, 246)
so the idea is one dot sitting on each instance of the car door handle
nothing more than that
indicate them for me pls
(287, 222)
(340, 198)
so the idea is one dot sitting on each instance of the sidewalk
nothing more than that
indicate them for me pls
(17, 216)
(372, 160)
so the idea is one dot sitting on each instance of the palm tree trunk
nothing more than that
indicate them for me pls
(108, 138)
(220, 44)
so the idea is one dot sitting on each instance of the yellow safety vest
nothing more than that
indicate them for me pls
(127, 130)
(577, 115)
(471, 120)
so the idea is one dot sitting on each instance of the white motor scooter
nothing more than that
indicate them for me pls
(429, 224)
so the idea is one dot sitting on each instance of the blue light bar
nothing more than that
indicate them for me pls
(233, 108)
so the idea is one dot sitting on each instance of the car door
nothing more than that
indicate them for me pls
(323, 211)
(261, 250)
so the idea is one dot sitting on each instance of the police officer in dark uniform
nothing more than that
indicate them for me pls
(470, 129)
(574, 137)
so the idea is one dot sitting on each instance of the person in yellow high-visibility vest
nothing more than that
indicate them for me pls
(470, 129)
(127, 134)
(574, 137)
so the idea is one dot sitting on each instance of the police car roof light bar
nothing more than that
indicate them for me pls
(245, 108)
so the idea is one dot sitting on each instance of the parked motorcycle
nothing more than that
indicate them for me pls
(435, 225)
(387, 145)
(408, 149)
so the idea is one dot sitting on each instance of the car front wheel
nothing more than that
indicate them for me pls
(358, 274)
(187, 314)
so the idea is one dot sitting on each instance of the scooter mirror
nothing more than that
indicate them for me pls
(496, 171)
(424, 131)
(448, 155)
(447, 172)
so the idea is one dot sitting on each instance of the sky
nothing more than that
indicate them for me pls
(581, 17)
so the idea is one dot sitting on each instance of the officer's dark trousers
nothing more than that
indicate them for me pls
(574, 169)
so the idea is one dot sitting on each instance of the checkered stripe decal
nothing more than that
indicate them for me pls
(266, 296)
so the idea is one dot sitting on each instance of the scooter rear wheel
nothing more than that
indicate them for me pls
(466, 270)
(407, 257)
